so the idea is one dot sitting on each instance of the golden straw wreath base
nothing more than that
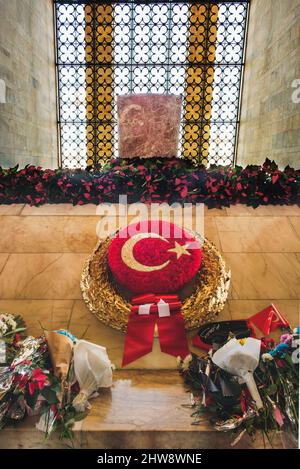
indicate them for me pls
(206, 301)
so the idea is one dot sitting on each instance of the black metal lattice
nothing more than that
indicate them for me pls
(105, 49)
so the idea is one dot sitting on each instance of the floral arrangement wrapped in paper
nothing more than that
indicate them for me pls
(247, 385)
(53, 375)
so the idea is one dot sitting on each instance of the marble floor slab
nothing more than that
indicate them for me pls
(295, 221)
(42, 276)
(143, 409)
(43, 249)
(42, 252)
(262, 234)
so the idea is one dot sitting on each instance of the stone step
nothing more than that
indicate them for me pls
(143, 409)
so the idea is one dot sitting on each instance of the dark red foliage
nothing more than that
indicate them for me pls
(155, 180)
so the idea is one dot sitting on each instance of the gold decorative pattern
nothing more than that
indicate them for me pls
(106, 303)
(199, 81)
(110, 49)
(99, 82)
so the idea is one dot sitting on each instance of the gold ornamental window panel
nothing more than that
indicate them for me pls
(199, 81)
(99, 82)
(190, 49)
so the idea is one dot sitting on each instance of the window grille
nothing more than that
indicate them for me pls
(194, 49)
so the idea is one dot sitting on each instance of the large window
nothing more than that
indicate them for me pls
(193, 49)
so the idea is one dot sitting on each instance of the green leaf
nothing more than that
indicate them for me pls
(50, 395)
(272, 389)
(32, 399)
(80, 416)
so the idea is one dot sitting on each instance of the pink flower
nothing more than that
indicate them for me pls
(39, 187)
(38, 381)
(184, 192)
(278, 416)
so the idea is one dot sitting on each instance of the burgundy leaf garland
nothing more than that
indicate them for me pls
(156, 180)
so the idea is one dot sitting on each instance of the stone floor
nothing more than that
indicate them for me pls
(42, 251)
(143, 409)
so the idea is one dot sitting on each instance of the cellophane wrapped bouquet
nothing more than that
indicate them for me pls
(247, 385)
(52, 376)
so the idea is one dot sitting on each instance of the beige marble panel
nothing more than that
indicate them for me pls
(268, 276)
(38, 314)
(264, 234)
(211, 231)
(3, 260)
(295, 221)
(32, 234)
(24, 435)
(190, 438)
(242, 309)
(215, 212)
(13, 209)
(153, 416)
(149, 398)
(42, 276)
(84, 324)
(60, 209)
(241, 210)
(92, 209)
(143, 409)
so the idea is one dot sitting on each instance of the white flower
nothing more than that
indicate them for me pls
(80, 402)
(186, 362)
(3, 328)
(8, 322)
(266, 357)
(178, 360)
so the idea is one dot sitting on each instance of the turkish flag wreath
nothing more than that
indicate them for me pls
(157, 257)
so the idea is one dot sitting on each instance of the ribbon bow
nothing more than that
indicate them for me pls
(146, 312)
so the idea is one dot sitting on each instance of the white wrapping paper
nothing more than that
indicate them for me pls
(240, 358)
(93, 370)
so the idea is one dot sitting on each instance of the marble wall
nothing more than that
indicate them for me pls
(270, 113)
(28, 132)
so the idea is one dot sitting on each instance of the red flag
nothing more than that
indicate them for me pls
(269, 319)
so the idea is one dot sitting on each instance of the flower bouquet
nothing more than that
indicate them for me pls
(24, 380)
(247, 385)
(80, 368)
(46, 376)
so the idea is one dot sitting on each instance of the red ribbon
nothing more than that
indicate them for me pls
(140, 329)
